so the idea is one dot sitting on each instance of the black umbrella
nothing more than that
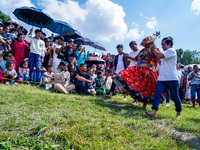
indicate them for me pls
(34, 16)
(83, 41)
(94, 60)
(99, 46)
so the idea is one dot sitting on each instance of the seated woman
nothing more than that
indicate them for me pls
(140, 81)
(100, 89)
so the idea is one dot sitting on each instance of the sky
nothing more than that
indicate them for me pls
(113, 22)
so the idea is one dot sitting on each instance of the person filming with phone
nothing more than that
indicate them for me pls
(80, 54)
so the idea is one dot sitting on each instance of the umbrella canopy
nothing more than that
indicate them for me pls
(94, 60)
(83, 41)
(74, 36)
(34, 16)
(62, 28)
(15, 23)
(190, 65)
(99, 46)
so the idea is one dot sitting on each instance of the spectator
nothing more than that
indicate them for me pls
(131, 57)
(3, 43)
(57, 52)
(80, 54)
(83, 81)
(119, 65)
(48, 52)
(48, 77)
(10, 73)
(62, 79)
(7, 37)
(37, 48)
(69, 52)
(20, 49)
(107, 81)
(24, 71)
(100, 89)
(194, 77)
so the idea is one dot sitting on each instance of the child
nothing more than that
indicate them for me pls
(100, 89)
(48, 77)
(10, 73)
(24, 71)
(107, 81)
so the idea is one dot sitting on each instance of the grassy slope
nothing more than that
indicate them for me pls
(38, 119)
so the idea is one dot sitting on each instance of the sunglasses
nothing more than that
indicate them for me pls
(48, 41)
(10, 55)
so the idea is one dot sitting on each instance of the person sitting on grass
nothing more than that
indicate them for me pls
(107, 81)
(62, 79)
(83, 81)
(100, 89)
(10, 73)
(24, 71)
(48, 77)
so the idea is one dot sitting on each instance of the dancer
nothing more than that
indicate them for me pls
(140, 81)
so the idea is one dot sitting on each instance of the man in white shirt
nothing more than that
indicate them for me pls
(131, 57)
(56, 50)
(37, 48)
(167, 76)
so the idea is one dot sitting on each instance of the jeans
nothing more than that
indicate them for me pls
(167, 94)
(34, 61)
(81, 87)
(194, 89)
(25, 77)
(173, 88)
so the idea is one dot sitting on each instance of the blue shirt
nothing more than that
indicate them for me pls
(81, 59)
(195, 80)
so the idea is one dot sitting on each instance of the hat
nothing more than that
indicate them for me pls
(119, 46)
(149, 39)
(132, 42)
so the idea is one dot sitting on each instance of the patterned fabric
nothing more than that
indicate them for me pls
(195, 80)
(139, 81)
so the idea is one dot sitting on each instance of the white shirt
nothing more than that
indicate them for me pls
(108, 82)
(36, 46)
(120, 64)
(55, 59)
(133, 54)
(168, 71)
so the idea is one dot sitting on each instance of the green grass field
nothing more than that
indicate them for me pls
(33, 118)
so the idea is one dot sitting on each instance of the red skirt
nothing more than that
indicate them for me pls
(139, 81)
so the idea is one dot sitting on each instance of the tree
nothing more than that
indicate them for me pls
(4, 17)
(179, 54)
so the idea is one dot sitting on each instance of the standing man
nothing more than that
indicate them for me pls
(167, 75)
(194, 77)
(69, 52)
(131, 57)
(119, 65)
(56, 50)
(37, 48)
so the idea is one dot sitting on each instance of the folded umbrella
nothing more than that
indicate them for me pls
(34, 17)
(94, 60)
(15, 23)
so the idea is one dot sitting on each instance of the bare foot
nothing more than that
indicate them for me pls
(152, 113)
(125, 91)
(134, 103)
(124, 98)
(109, 96)
(178, 115)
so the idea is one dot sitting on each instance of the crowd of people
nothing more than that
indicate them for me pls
(145, 74)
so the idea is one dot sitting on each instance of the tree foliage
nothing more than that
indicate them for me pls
(186, 57)
(4, 17)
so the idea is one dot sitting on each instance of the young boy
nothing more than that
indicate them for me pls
(10, 73)
(48, 77)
